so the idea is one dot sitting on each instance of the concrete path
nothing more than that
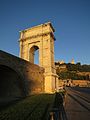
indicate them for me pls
(75, 108)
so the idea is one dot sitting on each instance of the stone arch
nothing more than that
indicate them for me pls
(11, 83)
(12, 66)
(32, 50)
(43, 37)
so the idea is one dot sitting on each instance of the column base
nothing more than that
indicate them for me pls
(50, 83)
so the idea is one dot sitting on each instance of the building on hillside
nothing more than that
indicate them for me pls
(60, 62)
(60, 65)
(72, 61)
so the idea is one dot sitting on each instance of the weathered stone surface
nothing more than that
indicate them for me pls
(29, 75)
(20, 76)
(40, 37)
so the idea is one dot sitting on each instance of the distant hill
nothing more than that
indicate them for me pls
(73, 71)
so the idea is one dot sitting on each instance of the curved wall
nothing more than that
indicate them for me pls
(11, 84)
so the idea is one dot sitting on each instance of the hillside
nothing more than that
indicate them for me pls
(73, 71)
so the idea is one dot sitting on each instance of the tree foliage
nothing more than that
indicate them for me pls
(72, 75)
(78, 67)
(72, 70)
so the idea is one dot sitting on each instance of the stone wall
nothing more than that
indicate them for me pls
(81, 83)
(30, 74)
(72, 83)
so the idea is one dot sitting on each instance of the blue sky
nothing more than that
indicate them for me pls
(70, 18)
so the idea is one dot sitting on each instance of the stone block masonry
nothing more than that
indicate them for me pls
(19, 71)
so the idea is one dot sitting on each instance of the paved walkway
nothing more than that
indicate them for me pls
(74, 110)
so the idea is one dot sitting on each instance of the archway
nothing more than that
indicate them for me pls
(34, 54)
(11, 85)
(43, 37)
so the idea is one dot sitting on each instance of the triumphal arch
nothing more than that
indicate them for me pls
(40, 38)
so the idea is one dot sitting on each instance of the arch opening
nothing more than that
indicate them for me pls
(11, 85)
(34, 55)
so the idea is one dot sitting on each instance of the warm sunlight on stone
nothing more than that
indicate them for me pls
(40, 37)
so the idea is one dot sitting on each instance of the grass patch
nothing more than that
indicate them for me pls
(34, 107)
